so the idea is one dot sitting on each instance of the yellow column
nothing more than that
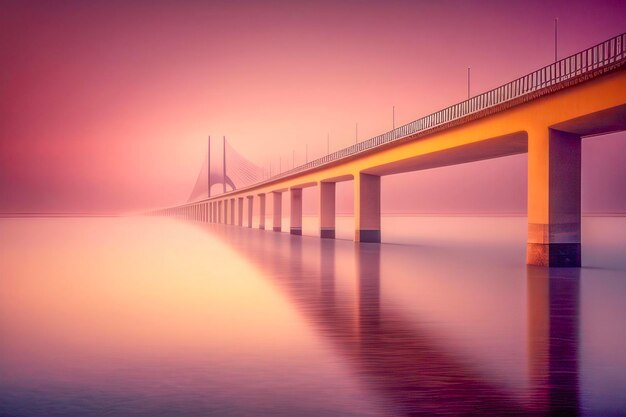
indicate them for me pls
(250, 199)
(554, 165)
(261, 211)
(327, 210)
(366, 208)
(240, 211)
(295, 219)
(276, 211)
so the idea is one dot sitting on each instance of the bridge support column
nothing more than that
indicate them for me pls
(240, 211)
(367, 208)
(232, 211)
(554, 165)
(223, 211)
(327, 210)
(295, 219)
(261, 211)
(250, 209)
(277, 211)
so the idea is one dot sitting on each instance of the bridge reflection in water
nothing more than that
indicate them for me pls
(400, 358)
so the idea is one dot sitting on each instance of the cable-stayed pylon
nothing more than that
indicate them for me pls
(233, 171)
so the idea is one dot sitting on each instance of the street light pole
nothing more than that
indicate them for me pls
(556, 39)
(328, 144)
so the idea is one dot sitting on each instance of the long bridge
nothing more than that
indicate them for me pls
(545, 114)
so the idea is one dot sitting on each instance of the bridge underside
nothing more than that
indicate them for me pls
(511, 144)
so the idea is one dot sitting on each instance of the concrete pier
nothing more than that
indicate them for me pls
(554, 167)
(327, 210)
(295, 219)
(367, 208)
(261, 211)
(250, 209)
(277, 203)
(240, 211)
(232, 211)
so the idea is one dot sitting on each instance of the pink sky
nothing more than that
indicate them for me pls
(106, 105)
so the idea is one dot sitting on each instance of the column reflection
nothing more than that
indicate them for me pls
(410, 370)
(553, 341)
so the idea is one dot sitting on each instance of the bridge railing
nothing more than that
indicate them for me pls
(596, 58)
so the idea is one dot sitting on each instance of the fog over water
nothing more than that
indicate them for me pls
(160, 317)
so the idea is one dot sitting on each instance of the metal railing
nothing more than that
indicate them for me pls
(598, 58)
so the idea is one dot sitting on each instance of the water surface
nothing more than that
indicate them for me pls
(152, 316)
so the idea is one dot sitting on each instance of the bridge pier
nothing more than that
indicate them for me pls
(240, 211)
(261, 211)
(232, 212)
(277, 210)
(327, 210)
(554, 168)
(250, 211)
(367, 208)
(295, 219)
(223, 211)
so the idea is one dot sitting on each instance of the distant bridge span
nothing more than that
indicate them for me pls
(545, 114)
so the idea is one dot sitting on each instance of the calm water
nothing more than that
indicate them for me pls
(158, 317)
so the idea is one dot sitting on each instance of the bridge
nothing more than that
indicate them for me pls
(545, 114)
